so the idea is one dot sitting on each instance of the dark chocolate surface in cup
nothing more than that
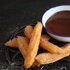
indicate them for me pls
(59, 23)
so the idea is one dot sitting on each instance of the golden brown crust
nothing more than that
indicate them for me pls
(22, 45)
(33, 46)
(46, 58)
(12, 43)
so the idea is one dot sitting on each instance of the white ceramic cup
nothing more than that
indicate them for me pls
(48, 14)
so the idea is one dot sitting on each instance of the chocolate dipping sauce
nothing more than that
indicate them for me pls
(59, 23)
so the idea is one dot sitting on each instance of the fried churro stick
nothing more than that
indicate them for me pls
(12, 43)
(43, 41)
(46, 58)
(19, 42)
(33, 46)
(22, 45)
(49, 46)
(28, 31)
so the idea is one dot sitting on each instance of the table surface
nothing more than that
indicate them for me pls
(17, 13)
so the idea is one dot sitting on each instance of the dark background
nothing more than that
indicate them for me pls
(17, 13)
